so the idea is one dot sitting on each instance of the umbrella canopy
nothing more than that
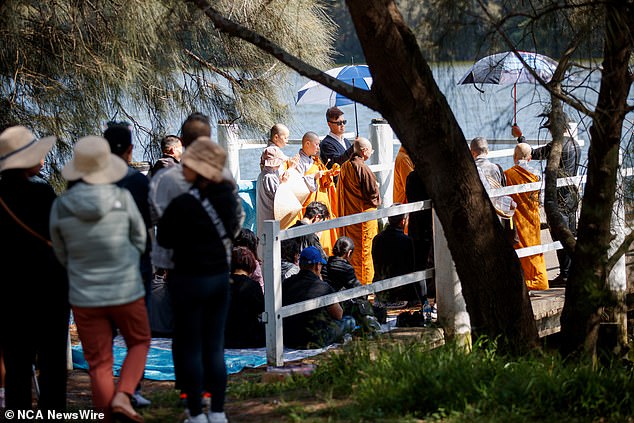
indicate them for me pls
(315, 93)
(505, 68)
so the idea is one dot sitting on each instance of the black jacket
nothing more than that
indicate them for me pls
(186, 228)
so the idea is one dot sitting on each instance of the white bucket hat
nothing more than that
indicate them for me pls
(19, 149)
(94, 163)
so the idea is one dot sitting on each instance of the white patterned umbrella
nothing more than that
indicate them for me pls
(505, 69)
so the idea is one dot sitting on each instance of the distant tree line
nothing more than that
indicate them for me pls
(445, 32)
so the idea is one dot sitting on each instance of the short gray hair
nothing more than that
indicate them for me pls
(479, 145)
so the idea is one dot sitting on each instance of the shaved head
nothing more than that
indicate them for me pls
(522, 152)
(361, 144)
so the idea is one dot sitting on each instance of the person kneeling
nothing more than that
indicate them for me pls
(315, 328)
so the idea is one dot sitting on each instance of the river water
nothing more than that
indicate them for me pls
(483, 110)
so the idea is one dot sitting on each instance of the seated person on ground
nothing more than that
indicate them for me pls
(315, 328)
(339, 273)
(248, 238)
(290, 258)
(393, 255)
(244, 328)
(315, 212)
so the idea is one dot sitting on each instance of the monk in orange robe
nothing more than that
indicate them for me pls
(526, 217)
(320, 183)
(358, 191)
(403, 166)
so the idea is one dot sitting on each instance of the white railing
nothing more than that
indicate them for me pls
(273, 236)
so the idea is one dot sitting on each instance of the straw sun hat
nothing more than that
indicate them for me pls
(206, 158)
(19, 149)
(94, 163)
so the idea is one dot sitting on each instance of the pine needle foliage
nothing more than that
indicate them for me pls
(68, 66)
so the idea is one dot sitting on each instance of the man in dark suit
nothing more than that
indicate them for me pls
(334, 148)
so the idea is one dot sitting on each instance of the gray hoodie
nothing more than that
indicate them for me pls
(98, 234)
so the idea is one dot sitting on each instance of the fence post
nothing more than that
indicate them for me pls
(381, 136)
(271, 246)
(228, 139)
(452, 309)
(617, 279)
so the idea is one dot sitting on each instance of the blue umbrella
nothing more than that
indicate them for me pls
(315, 93)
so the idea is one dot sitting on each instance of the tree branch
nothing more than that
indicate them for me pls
(235, 29)
(213, 68)
(618, 253)
(559, 71)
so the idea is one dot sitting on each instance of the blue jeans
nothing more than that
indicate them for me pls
(200, 312)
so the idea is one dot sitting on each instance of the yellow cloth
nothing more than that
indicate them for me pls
(357, 192)
(526, 218)
(403, 166)
(327, 194)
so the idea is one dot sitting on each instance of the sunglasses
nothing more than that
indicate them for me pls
(338, 122)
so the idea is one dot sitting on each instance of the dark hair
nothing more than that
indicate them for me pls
(196, 125)
(290, 249)
(248, 238)
(397, 219)
(342, 246)
(119, 137)
(317, 208)
(333, 113)
(242, 258)
(169, 141)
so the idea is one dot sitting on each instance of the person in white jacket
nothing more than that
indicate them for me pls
(98, 234)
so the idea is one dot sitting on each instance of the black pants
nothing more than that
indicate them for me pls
(35, 331)
(200, 306)
(565, 261)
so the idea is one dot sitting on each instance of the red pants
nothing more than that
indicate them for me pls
(94, 325)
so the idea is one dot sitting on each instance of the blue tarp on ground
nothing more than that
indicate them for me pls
(159, 364)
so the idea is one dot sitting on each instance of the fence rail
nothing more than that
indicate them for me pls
(275, 312)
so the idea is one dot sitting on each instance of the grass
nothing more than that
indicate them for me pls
(406, 382)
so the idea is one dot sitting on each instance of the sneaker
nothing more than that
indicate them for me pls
(201, 418)
(206, 399)
(183, 399)
(217, 417)
(139, 400)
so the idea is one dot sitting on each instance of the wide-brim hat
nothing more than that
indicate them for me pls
(19, 149)
(206, 158)
(94, 163)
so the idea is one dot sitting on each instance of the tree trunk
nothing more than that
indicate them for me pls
(489, 270)
(587, 290)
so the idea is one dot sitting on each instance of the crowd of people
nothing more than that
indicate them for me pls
(115, 237)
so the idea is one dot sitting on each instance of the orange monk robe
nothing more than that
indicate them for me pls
(357, 191)
(327, 194)
(403, 166)
(527, 220)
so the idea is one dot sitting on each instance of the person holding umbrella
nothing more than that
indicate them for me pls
(334, 148)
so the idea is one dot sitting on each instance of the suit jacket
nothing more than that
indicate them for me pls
(332, 149)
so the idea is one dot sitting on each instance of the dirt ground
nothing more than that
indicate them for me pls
(248, 411)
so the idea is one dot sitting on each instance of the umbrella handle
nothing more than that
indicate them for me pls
(515, 104)
(356, 120)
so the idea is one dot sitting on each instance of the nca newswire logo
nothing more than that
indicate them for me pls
(53, 415)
